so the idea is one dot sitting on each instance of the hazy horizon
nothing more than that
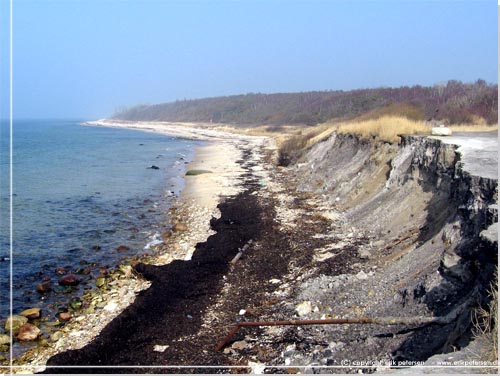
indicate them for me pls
(84, 60)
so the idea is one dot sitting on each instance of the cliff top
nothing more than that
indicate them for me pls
(479, 152)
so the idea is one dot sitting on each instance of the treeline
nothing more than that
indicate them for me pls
(454, 102)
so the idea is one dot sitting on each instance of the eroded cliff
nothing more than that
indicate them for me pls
(418, 213)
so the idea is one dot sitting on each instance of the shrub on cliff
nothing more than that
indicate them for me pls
(293, 148)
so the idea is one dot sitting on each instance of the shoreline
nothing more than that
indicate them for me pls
(300, 256)
(190, 214)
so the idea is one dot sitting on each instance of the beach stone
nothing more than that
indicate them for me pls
(126, 270)
(111, 307)
(101, 281)
(179, 227)
(16, 321)
(123, 248)
(60, 270)
(240, 345)
(69, 280)
(4, 339)
(28, 332)
(364, 253)
(160, 348)
(166, 235)
(76, 304)
(44, 287)
(361, 275)
(84, 271)
(56, 336)
(52, 323)
(304, 308)
(65, 316)
(153, 167)
(31, 313)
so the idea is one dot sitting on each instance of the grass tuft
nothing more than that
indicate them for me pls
(485, 322)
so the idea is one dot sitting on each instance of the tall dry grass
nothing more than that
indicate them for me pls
(385, 128)
(474, 128)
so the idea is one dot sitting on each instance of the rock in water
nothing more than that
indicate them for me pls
(43, 287)
(28, 332)
(123, 248)
(64, 316)
(31, 313)
(197, 172)
(4, 339)
(69, 280)
(16, 320)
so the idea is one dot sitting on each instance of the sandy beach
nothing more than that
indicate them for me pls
(189, 219)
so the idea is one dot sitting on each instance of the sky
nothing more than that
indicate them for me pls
(87, 59)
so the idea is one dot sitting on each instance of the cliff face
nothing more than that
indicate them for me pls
(420, 212)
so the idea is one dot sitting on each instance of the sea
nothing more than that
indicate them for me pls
(79, 193)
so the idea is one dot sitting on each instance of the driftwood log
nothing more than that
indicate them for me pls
(410, 321)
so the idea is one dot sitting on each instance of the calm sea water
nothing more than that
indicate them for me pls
(79, 193)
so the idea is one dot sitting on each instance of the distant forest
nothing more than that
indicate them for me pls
(454, 102)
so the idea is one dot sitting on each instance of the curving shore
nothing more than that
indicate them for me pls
(191, 212)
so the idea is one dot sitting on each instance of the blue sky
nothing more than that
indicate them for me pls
(85, 59)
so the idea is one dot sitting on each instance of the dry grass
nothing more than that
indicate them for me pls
(385, 128)
(474, 128)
